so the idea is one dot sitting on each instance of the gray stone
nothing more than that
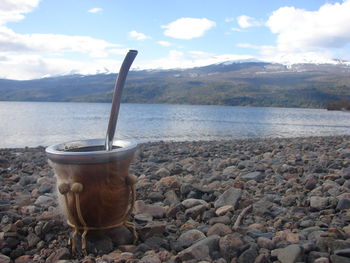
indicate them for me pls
(343, 252)
(249, 255)
(190, 237)
(313, 255)
(219, 229)
(339, 259)
(321, 260)
(143, 217)
(262, 258)
(32, 240)
(229, 197)
(99, 245)
(151, 229)
(43, 199)
(220, 219)
(171, 198)
(228, 171)
(264, 242)
(289, 254)
(25, 180)
(195, 211)
(262, 207)
(61, 253)
(231, 246)
(156, 211)
(318, 202)
(191, 202)
(307, 223)
(156, 196)
(162, 172)
(45, 188)
(120, 236)
(198, 252)
(346, 173)
(212, 242)
(340, 245)
(151, 258)
(256, 176)
(343, 204)
(4, 259)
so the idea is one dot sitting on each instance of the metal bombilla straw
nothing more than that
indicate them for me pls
(113, 117)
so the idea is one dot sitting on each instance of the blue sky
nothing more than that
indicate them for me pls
(50, 37)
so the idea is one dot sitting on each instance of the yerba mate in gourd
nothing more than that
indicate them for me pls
(95, 189)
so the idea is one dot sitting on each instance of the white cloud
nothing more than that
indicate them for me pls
(188, 28)
(14, 10)
(137, 35)
(95, 10)
(304, 31)
(274, 54)
(27, 56)
(236, 29)
(36, 66)
(247, 21)
(164, 43)
(179, 59)
(13, 42)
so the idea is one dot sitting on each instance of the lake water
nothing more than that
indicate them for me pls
(47, 123)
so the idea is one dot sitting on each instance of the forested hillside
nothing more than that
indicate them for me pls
(249, 84)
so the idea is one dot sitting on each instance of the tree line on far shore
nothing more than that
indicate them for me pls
(339, 105)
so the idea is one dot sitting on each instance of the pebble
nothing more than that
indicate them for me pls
(43, 199)
(223, 210)
(229, 197)
(219, 229)
(5, 259)
(189, 196)
(318, 202)
(343, 204)
(191, 202)
(156, 211)
(231, 246)
(289, 254)
(256, 176)
(189, 237)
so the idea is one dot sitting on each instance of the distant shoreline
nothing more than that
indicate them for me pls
(209, 142)
(175, 104)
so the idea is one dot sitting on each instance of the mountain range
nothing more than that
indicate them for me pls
(245, 83)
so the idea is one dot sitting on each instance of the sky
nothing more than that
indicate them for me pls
(42, 38)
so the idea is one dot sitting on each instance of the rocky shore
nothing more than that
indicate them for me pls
(244, 201)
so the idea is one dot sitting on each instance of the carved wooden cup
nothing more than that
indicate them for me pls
(95, 189)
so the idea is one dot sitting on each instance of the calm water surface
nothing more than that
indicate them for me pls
(46, 123)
